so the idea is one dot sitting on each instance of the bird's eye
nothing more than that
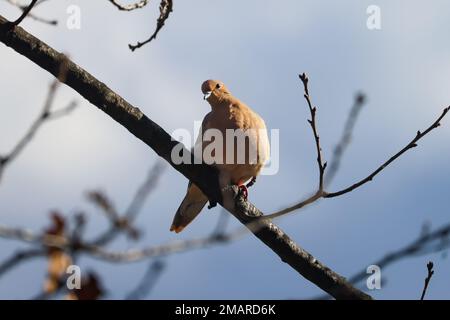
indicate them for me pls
(218, 86)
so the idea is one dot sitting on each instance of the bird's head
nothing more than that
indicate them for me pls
(214, 91)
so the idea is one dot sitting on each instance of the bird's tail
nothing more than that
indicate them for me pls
(190, 207)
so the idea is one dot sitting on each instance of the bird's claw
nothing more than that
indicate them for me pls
(243, 191)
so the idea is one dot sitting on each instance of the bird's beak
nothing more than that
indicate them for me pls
(207, 95)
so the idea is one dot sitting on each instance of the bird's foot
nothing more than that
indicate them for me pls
(243, 191)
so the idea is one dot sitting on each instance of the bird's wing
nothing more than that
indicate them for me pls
(258, 147)
(190, 207)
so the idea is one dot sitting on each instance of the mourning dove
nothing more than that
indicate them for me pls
(238, 161)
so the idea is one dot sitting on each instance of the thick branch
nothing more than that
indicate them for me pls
(204, 176)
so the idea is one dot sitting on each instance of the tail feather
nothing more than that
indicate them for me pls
(190, 207)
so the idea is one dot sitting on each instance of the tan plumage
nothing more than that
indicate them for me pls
(227, 112)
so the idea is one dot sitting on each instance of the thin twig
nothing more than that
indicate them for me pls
(59, 113)
(102, 201)
(136, 255)
(313, 110)
(221, 225)
(320, 193)
(25, 12)
(165, 8)
(132, 255)
(157, 267)
(45, 115)
(427, 279)
(117, 223)
(149, 280)
(346, 137)
(145, 190)
(130, 7)
(19, 257)
(409, 146)
(31, 15)
(123, 223)
(428, 242)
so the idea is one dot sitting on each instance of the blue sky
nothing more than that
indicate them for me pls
(257, 48)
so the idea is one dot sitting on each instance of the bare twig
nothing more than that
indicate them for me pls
(59, 113)
(45, 115)
(129, 7)
(157, 267)
(145, 190)
(149, 280)
(427, 279)
(312, 122)
(409, 146)
(346, 138)
(428, 242)
(118, 223)
(133, 255)
(320, 193)
(25, 12)
(72, 242)
(124, 223)
(102, 201)
(165, 8)
(20, 257)
(31, 15)
(221, 225)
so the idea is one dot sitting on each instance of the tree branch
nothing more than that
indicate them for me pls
(204, 176)
(165, 8)
(409, 146)
(125, 221)
(321, 193)
(133, 255)
(428, 242)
